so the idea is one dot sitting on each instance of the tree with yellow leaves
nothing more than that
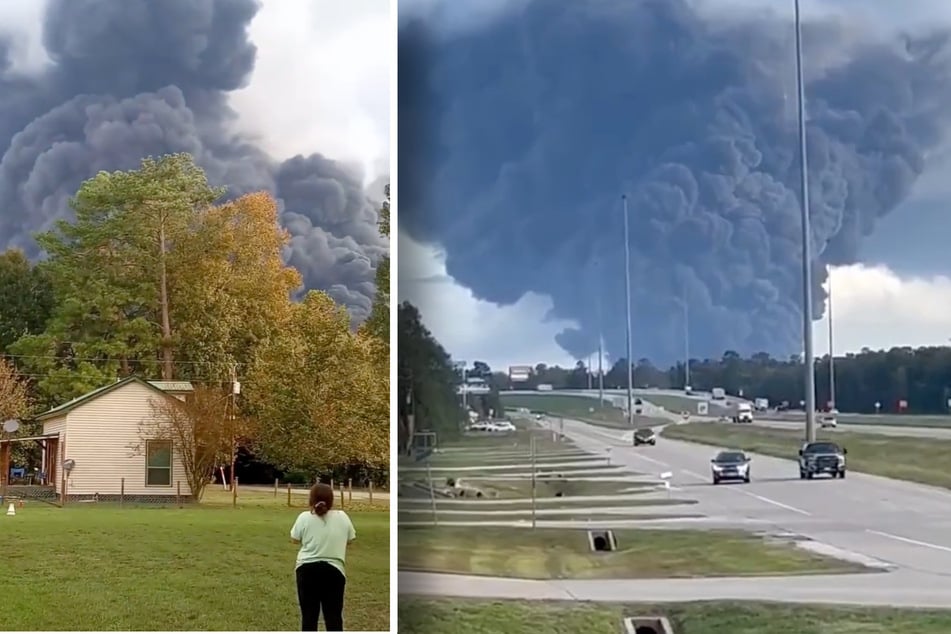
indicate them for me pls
(317, 392)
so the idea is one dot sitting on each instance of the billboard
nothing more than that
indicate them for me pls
(519, 373)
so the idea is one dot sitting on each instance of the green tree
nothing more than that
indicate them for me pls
(426, 387)
(378, 324)
(110, 273)
(26, 297)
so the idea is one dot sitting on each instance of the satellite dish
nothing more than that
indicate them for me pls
(10, 426)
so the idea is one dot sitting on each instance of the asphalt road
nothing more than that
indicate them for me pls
(904, 525)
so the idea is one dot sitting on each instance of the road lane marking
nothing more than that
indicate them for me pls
(753, 495)
(914, 542)
(775, 503)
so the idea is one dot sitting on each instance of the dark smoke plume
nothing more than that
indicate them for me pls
(132, 78)
(518, 139)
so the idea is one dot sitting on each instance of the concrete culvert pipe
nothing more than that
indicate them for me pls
(600, 543)
(645, 629)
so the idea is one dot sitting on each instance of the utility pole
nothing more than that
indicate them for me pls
(627, 296)
(808, 355)
(832, 404)
(232, 405)
(588, 368)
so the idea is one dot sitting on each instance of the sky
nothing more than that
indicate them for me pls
(889, 299)
(343, 49)
(286, 96)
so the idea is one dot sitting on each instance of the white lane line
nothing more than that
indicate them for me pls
(775, 503)
(914, 542)
(753, 495)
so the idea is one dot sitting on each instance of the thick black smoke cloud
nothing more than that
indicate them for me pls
(518, 139)
(133, 78)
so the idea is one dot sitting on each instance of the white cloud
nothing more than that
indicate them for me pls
(321, 81)
(472, 329)
(872, 307)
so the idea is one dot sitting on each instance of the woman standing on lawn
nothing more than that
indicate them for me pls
(323, 535)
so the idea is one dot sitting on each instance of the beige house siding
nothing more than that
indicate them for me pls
(56, 426)
(103, 436)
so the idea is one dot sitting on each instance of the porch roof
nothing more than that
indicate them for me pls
(25, 438)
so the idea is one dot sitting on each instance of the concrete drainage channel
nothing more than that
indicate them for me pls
(605, 541)
(647, 625)
(602, 541)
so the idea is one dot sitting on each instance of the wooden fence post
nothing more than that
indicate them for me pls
(350, 490)
(289, 494)
(276, 483)
(371, 491)
(122, 492)
(341, 495)
(234, 493)
(178, 493)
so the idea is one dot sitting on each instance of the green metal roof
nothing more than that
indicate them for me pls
(67, 407)
(173, 386)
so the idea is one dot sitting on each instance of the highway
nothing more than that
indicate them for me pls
(782, 420)
(903, 525)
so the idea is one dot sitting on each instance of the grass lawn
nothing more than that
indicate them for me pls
(205, 567)
(922, 460)
(564, 553)
(419, 616)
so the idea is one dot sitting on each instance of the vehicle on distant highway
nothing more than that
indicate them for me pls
(718, 394)
(644, 436)
(501, 426)
(829, 419)
(743, 413)
(730, 465)
(821, 457)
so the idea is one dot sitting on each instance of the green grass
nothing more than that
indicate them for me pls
(541, 503)
(890, 420)
(565, 553)
(206, 567)
(922, 460)
(505, 489)
(524, 516)
(419, 616)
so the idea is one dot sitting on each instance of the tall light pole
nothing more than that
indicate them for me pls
(686, 345)
(808, 355)
(627, 296)
(597, 286)
(831, 349)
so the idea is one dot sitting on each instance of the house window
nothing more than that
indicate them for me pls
(158, 463)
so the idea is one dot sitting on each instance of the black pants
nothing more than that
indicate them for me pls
(320, 585)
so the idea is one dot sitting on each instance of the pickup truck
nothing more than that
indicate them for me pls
(821, 457)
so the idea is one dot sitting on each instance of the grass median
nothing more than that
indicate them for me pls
(565, 554)
(417, 616)
(922, 460)
(583, 408)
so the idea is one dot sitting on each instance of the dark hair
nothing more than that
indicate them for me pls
(321, 499)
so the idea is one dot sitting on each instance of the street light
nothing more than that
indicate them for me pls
(831, 350)
(627, 295)
(808, 355)
(597, 285)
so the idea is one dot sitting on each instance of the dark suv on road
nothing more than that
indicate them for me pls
(821, 457)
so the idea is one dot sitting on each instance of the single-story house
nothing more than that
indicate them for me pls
(100, 437)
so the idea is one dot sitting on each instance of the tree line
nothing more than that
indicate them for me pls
(156, 277)
(919, 376)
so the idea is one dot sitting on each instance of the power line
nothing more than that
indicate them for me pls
(104, 359)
